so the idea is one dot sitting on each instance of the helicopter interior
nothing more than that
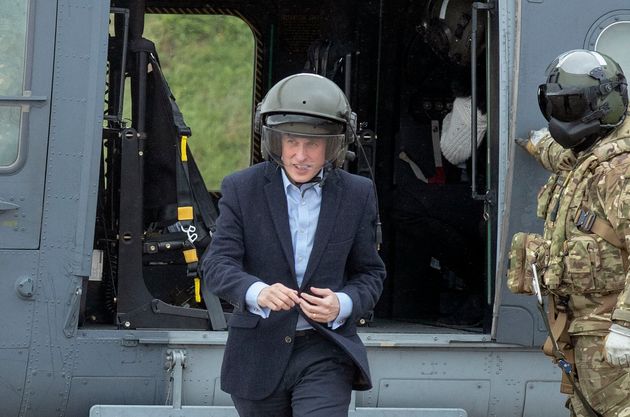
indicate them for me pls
(406, 68)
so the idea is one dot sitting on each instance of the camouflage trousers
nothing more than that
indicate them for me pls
(606, 388)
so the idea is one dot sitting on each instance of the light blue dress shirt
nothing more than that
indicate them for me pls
(303, 204)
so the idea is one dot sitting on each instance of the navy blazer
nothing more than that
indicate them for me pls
(252, 242)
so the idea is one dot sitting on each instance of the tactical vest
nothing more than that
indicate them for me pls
(582, 253)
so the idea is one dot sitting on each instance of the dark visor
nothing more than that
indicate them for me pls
(566, 105)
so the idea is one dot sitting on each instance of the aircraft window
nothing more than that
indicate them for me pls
(9, 134)
(209, 64)
(613, 41)
(12, 53)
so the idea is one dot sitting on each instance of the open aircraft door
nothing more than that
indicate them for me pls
(532, 34)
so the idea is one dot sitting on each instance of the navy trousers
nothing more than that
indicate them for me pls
(316, 383)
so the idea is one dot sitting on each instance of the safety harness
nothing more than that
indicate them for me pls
(195, 212)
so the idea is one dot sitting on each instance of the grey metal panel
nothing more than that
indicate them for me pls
(77, 112)
(454, 363)
(108, 390)
(511, 321)
(408, 381)
(109, 357)
(506, 33)
(435, 392)
(541, 392)
(16, 311)
(77, 74)
(13, 364)
(200, 411)
(20, 229)
(546, 30)
(161, 411)
(104, 369)
(202, 382)
(505, 371)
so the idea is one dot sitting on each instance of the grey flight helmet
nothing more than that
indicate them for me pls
(585, 96)
(307, 106)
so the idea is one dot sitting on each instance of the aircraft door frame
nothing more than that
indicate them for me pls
(22, 180)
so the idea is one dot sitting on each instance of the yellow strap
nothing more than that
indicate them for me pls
(183, 148)
(197, 289)
(185, 213)
(190, 255)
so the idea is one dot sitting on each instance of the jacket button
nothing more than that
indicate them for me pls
(287, 339)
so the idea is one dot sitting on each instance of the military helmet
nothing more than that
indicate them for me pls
(309, 106)
(585, 95)
(446, 27)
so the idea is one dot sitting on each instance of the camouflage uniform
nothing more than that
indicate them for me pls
(583, 268)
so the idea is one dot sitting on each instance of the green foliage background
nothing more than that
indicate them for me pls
(209, 63)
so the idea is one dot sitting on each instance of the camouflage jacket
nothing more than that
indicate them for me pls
(582, 265)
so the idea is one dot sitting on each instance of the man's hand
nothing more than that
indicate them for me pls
(617, 346)
(278, 297)
(322, 306)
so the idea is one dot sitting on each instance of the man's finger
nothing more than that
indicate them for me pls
(290, 293)
(282, 301)
(290, 297)
(274, 299)
(321, 291)
(312, 299)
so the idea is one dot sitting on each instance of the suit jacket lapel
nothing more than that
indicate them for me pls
(331, 199)
(277, 201)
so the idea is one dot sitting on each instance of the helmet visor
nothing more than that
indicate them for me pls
(272, 140)
(566, 105)
(299, 123)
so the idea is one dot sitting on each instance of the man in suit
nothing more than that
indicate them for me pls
(295, 253)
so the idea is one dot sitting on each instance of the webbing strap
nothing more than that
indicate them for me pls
(604, 229)
(183, 147)
(558, 321)
(205, 205)
(185, 210)
(558, 330)
(562, 352)
(588, 222)
(184, 197)
(190, 255)
(197, 289)
(185, 213)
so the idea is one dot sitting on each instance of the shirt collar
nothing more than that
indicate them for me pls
(287, 182)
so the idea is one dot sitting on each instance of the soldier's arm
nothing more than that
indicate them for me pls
(548, 152)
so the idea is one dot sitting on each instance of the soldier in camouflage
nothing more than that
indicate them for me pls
(583, 262)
